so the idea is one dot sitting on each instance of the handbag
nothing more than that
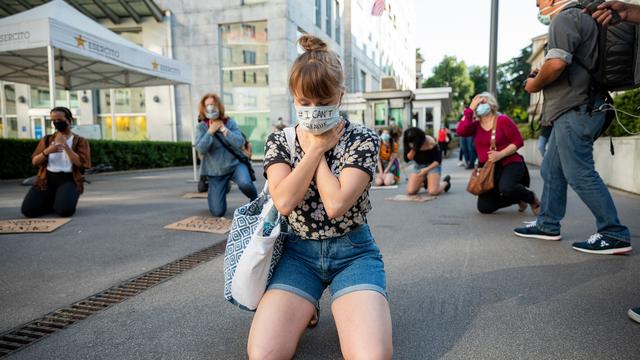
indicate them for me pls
(483, 178)
(238, 155)
(254, 246)
(203, 184)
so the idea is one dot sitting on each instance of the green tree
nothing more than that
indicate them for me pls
(514, 101)
(480, 77)
(453, 73)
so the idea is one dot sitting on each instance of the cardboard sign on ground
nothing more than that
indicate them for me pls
(412, 198)
(23, 226)
(202, 224)
(391, 187)
(195, 195)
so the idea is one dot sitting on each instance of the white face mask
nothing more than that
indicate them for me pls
(546, 19)
(212, 113)
(318, 119)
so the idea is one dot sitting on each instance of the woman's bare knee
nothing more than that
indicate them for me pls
(270, 351)
(375, 352)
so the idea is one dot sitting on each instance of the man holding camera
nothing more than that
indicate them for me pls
(566, 82)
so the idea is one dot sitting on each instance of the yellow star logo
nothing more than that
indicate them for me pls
(155, 65)
(80, 41)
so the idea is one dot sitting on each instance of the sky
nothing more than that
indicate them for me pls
(462, 28)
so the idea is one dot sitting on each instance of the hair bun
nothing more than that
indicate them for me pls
(312, 43)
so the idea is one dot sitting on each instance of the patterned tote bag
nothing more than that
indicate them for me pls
(254, 246)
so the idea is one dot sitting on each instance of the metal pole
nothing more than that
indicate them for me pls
(52, 76)
(172, 88)
(193, 136)
(493, 54)
(3, 106)
(112, 100)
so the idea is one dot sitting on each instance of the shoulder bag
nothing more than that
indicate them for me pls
(483, 178)
(254, 246)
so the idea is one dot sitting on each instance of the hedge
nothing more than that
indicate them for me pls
(15, 159)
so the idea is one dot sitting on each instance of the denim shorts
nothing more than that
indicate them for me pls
(415, 168)
(345, 264)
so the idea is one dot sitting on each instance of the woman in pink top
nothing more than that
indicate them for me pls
(511, 176)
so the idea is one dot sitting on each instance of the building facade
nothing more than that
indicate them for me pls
(241, 50)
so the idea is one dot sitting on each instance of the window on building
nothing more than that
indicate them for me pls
(10, 100)
(338, 20)
(130, 111)
(246, 95)
(40, 98)
(319, 13)
(380, 113)
(227, 98)
(363, 81)
(249, 31)
(328, 16)
(251, 2)
(249, 57)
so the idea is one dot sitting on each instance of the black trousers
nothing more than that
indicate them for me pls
(444, 147)
(60, 197)
(512, 182)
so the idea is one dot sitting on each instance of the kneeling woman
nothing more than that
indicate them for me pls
(423, 153)
(511, 174)
(324, 196)
(388, 165)
(61, 159)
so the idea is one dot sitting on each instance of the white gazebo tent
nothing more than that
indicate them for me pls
(55, 45)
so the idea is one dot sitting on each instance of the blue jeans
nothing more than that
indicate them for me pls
(218, 185)
(569, 160)
(470, 156)
(542, 145)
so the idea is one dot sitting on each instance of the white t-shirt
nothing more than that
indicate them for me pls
(59, 161)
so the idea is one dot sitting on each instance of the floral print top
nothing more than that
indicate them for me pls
(358, 148)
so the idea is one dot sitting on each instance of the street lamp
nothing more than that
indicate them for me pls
(493, 52)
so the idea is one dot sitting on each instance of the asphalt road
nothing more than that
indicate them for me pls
(461, 285)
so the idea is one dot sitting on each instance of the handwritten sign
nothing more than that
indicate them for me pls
(22, 226)
(412, 198)
(195, 195)
(202, 224)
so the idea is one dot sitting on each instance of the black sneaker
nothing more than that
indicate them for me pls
(532, 231)
(604, 245)
(447, 179)
(634, 314)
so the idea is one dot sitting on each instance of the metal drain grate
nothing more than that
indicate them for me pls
(27, 334)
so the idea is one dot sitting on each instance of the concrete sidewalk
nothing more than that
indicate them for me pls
(461, 285)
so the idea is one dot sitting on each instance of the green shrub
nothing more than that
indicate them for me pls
(629, 102)
(15, 161)
(526, 132)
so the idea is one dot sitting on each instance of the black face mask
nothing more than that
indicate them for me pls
(61, 125)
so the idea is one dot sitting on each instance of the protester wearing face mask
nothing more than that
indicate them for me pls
(324, 195)
(423, 154)
(218, 139)
(511, 174)
(565, 78)
(61, 159)
(388, 165)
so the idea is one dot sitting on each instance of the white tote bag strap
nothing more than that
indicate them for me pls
(290, 133)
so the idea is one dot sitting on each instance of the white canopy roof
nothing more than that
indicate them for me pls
(87, 55)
